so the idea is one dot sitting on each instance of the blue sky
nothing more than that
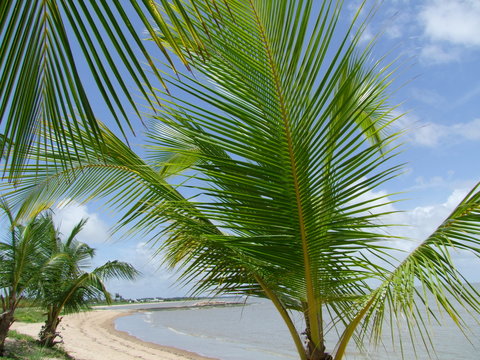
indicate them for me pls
(439, 88)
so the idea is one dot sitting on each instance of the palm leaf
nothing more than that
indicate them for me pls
(429, 277)
(23, 254)
(41, 82)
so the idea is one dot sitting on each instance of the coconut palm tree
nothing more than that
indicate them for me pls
(22, 256)
(67, 286)
(260, 178)
(216, 258)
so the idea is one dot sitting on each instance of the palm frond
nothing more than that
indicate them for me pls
(23, 254)
(427, 281)
(75, 231)
(41, 79)
(116, 270)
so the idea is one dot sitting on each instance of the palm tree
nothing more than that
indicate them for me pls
(276, 142)
(68, 286)
(218, 260)
(22, 256)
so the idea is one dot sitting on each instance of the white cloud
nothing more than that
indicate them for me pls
(156, 280)
(394, 31)
(454, 21)
(469, 131)
(429, 134)
(417, 224)
(436, 54)
(433, 135)
(425, 219)
(367, 35)
(449, 27)
(427, 96)
(422, 183)
(67, 216)
(398, 20)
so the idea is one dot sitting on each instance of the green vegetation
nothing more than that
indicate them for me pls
(22, 260)
(38, 314)
(30, 314)
(35, 262)
(37, 98)
(284, 136)
(24, 347)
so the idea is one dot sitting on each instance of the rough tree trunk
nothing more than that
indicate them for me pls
(49, 333)
(315, 351)
(6, 320)
(316, 354)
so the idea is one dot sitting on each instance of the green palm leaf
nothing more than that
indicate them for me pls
(41, 83)
(429, 277)
(288, 157)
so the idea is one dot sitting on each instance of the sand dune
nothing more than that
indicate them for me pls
(92, 336)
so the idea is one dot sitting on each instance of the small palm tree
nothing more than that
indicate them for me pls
(22, 257)
(67, 286)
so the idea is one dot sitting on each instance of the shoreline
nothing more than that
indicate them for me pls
(92, 335)
(185, 354)
(169, 305)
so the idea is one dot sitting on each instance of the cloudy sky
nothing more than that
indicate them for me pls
(439, 88)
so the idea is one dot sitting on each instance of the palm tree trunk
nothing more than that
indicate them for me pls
(6, 320)
(315, 348)
(315, 351)
(48, 334)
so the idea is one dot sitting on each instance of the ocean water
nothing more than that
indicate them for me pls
(256, 331)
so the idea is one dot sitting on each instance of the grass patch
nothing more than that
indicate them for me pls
(35, 314)
(24, 347)
(30, 314)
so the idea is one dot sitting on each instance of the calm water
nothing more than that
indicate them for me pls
(255, 331)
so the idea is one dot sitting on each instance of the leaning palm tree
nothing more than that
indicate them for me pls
(260, 174)
(22, 257)
(67, 286)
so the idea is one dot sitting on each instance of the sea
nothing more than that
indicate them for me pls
(253, 330)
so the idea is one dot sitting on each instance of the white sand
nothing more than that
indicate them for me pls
(92, 336)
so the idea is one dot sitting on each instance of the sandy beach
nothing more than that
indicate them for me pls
(92, 336)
